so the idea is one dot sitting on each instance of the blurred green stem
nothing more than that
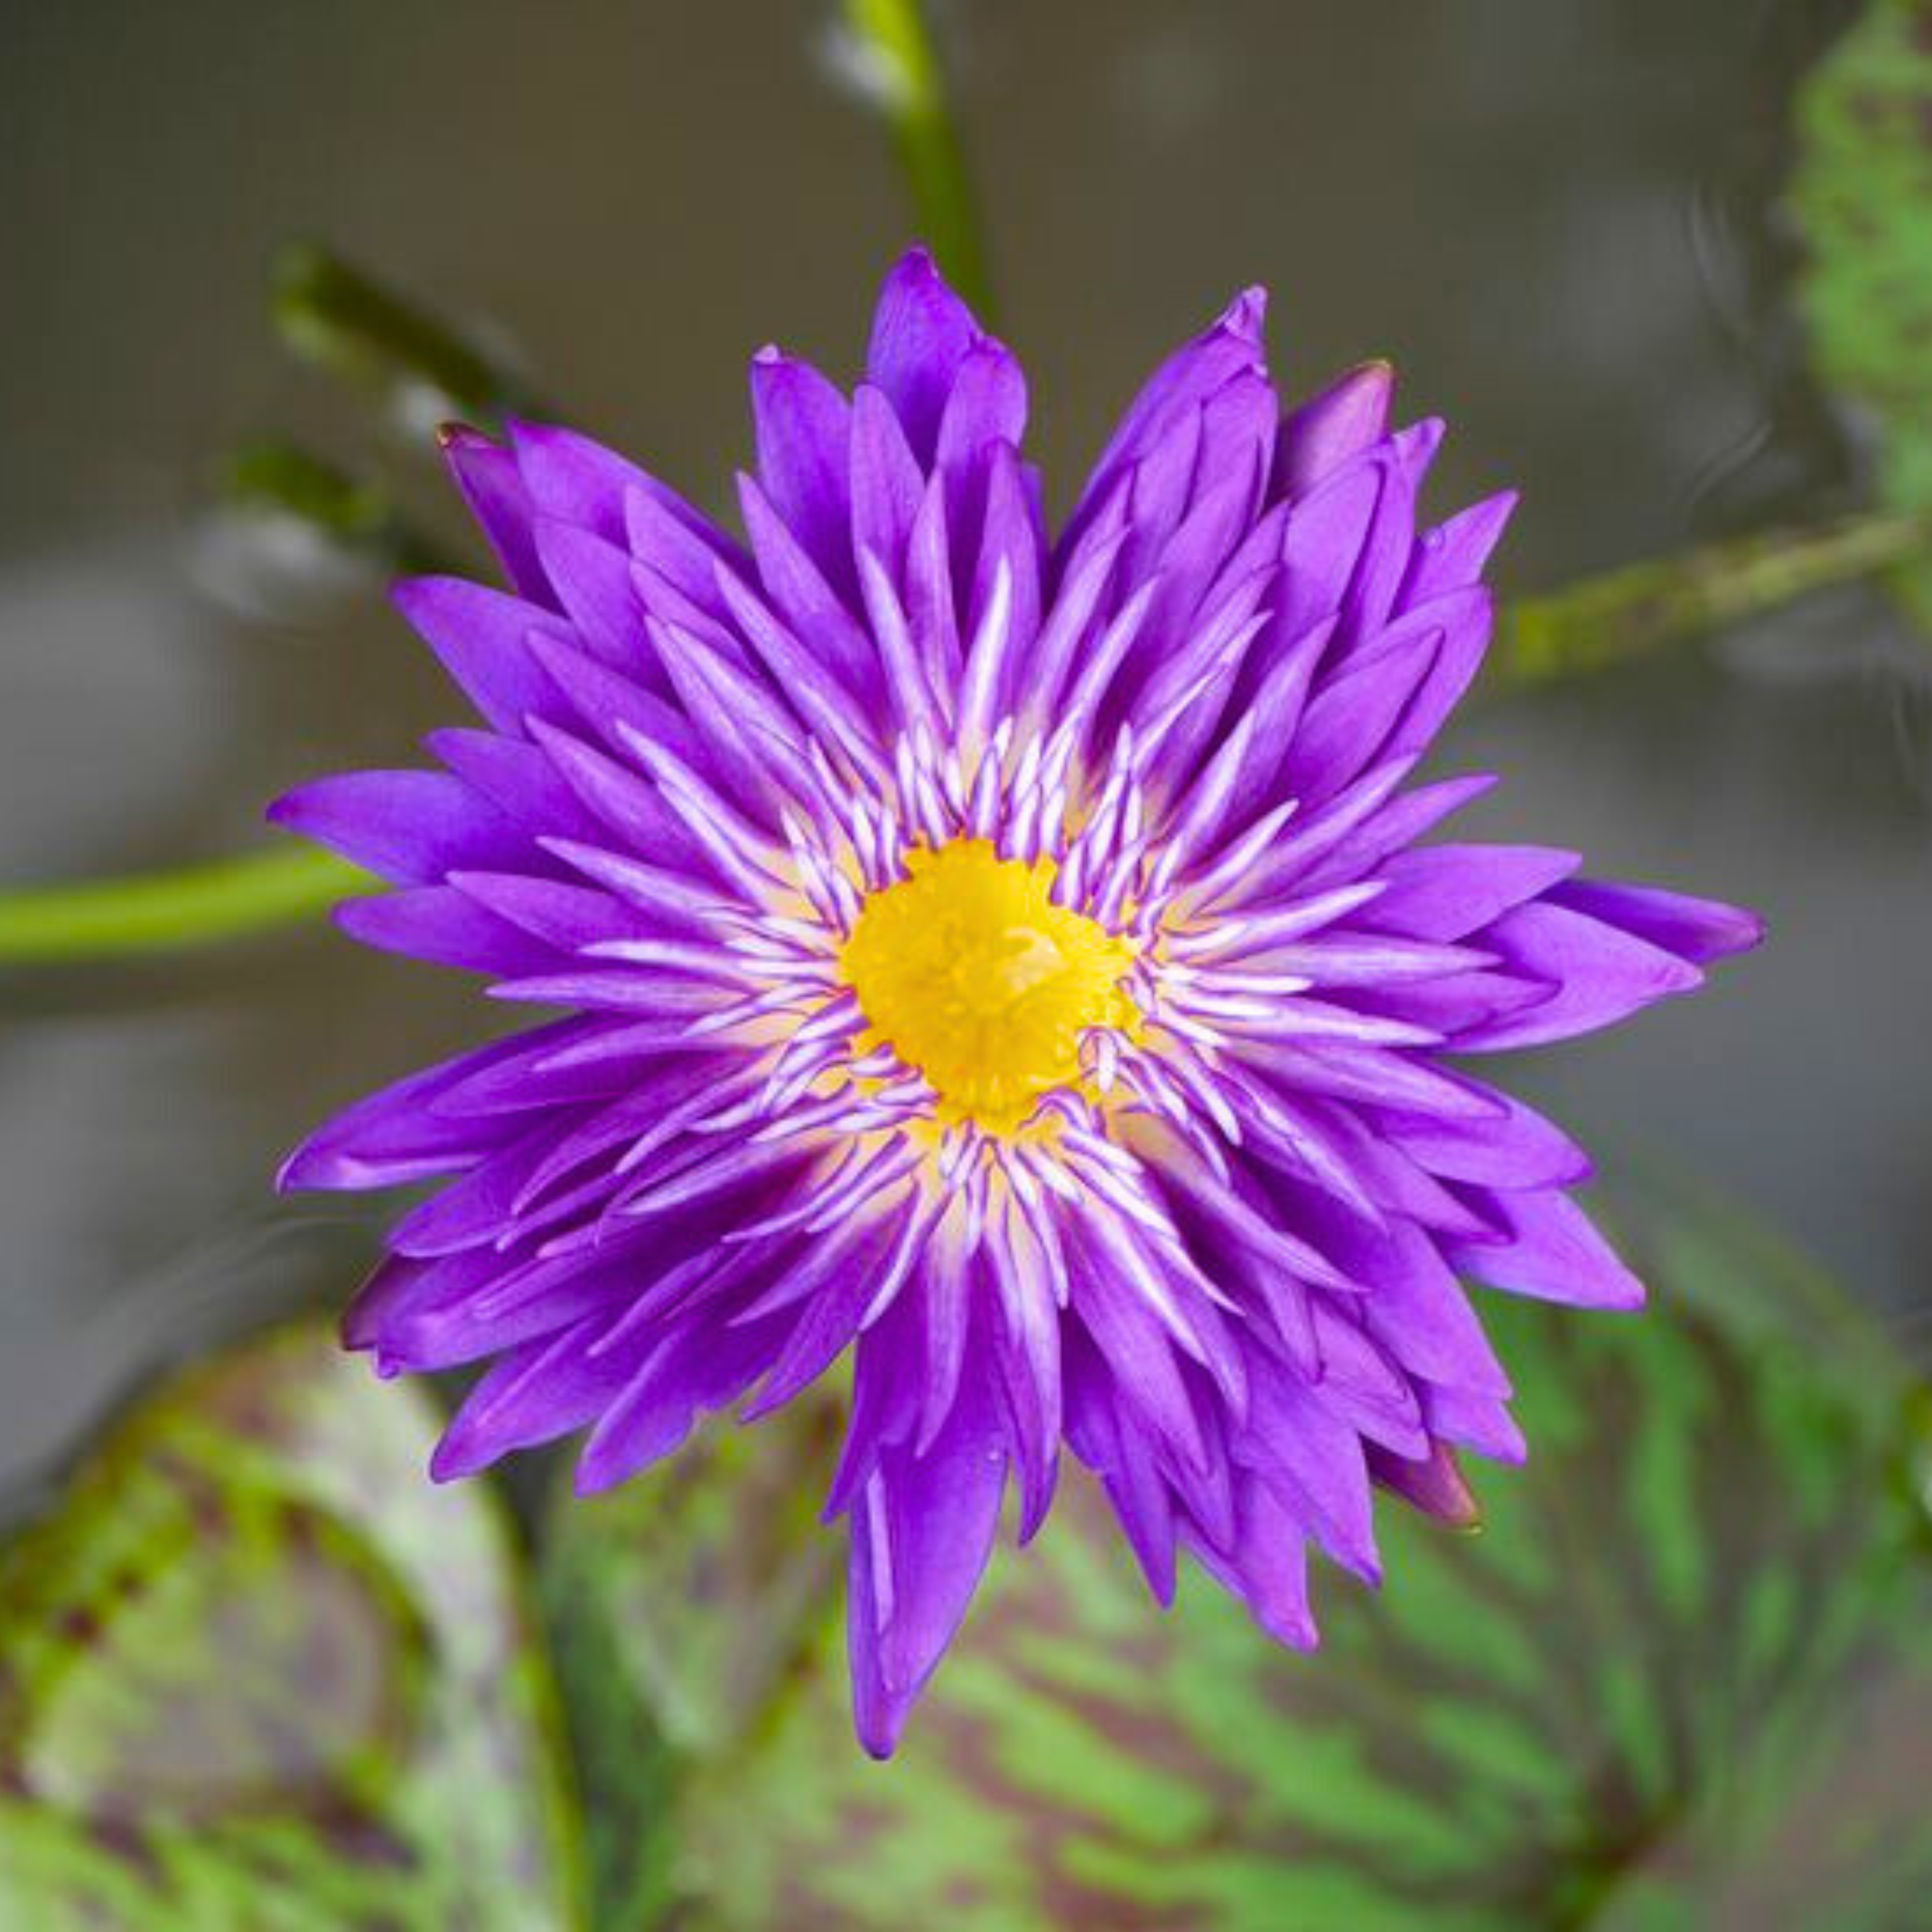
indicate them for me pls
(893, 41)
(153, 912)
(1626, 613)
(277, 478)
(330, 313)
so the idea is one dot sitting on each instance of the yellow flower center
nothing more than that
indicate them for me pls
(970, 972)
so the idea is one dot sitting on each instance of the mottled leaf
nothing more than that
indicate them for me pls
(1680, 1678)
(1862, 196)
(257, 1673)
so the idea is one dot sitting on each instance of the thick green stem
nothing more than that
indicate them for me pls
(1627, 613)
(893, 40)
(153, 912)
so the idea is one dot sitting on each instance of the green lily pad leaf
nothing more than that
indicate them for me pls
(1680, 1678)
(1862, 197)
(257, 1671)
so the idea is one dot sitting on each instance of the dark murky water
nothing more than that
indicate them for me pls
(1558, 218)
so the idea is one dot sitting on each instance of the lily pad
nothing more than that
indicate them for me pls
(256, 1672)
(1862, 196)
(1681, 1677)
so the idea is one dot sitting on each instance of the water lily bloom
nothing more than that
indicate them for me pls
(1005, 961)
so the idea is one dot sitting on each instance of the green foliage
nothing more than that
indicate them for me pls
(257, 1673)
(1862, 196)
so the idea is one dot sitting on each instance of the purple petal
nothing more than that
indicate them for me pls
(921, 332)
(1403, 464)
(1696, 930)
(516, 777)
(887, 485)
(1433, 1484)
(1233, 347)
(701, 1365)
(596, 584)
(1516, 1147)
(576, 481)
(804, 428)
(800, 593)
(1331, 428)
(440, 925)
(1601, 975)
(921, 1532)
(1453, 555)
(1449, 892)
(482, 638)
(535, 1393)
(393, 1136)
(1267, 1567)
(1482, 1422)
(409, 827)
(494, 487)
(1553, 1253)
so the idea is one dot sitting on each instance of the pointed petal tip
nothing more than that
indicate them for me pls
(1300, 1634)
(1246, 315)
(1424, 436)
(879, 1744)
(352, 917)
(916, 262)
(1681, 978)
(359, 1326)
(594, 1475)
(452, 1459)
(1745, 932)
(299, 1172)
(1376, 377)
(284, 812)
(411, 596)
(919, 273)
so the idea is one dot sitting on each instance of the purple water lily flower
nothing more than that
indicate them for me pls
(1005, 959)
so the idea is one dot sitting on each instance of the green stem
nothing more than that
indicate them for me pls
(278, 478)
(1627, 613)
(329, 312)
(151, 912)
(894, 41)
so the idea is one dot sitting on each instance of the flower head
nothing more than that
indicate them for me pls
(1005, 960)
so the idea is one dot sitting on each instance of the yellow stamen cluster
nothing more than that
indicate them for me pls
(967, 970)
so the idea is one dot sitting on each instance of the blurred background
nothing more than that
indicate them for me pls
(1578, 228)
